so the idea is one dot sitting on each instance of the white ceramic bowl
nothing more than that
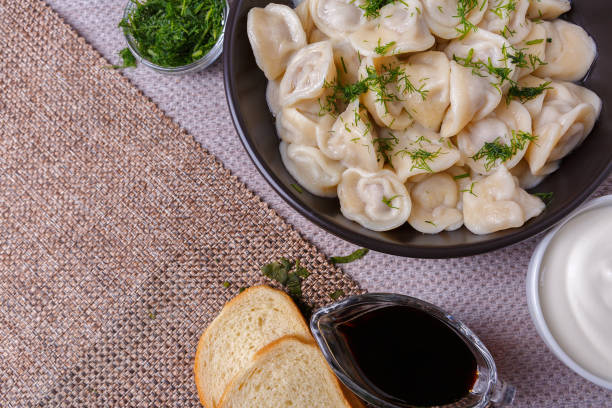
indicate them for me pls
(533, 295)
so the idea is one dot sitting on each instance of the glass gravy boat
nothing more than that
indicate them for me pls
(488, 390)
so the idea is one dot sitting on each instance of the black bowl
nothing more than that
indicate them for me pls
(580, 173)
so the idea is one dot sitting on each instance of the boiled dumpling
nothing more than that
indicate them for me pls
(526, 178)
(567, 117)
(463, 178)
(500, 139)
(486, 49)
(548, 9)
(337, 18)
(317, 35)
(432, 71)
(388, 110)
(470, 97)
(313, 171)
(347, 61)
(275, 33)
(351, 139)
(475, 92)
(378, 201)
(534, 50)
(273, 97)
(434, 205)
(534, 105)
(442, 16)
(301, 123)
(399, 28)
(570, 52)
(508, 19)
(308, 71)
(496, 202)
(419, 150)
(303, 12)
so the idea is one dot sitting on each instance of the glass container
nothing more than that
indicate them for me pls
(488, 389)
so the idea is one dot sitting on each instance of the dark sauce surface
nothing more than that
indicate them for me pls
(409, 355)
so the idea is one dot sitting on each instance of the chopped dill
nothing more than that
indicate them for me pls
(383, 49)
(461, 176)
(128, 59)
(384, 145)
(357, 254)
(372, 7)
(172, 33)
(465, 7)
(504, 74)
(343, 65)
(470, 190)
(524, 94)
(420, 157)
(374, 81)
(337, 294)
(226, 284)
(534, 42)
(387, 201)
(297, 188)
(496, 151)
(545, 197)
(431, 222)
(504, 8)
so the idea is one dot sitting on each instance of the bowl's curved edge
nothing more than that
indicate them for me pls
(530, 230)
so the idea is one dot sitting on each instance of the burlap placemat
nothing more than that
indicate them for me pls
(117, 231)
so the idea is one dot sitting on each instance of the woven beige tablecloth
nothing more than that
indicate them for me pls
(486, 292)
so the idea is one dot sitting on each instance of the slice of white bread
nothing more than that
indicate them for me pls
(289, 372)
(250, 321)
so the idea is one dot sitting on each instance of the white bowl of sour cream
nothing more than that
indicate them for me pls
(569, 291)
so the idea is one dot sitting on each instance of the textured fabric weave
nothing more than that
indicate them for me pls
(63, 344)
(118, 231)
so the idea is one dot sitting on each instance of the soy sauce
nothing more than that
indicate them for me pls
(405, 354)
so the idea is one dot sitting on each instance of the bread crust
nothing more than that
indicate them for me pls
(202, 393)
(270, 347)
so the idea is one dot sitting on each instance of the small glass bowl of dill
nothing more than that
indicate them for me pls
(175, 36)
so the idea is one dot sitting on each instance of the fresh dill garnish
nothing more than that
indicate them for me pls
(469, 62)
(343, 94)
(496, 151)
(470, 190)
(502, 8)
(388, 201)
(288, 273)
(152, 315)
(384, 145)
(226, 284)
(534, 42)
(420, 157)
(383, 49)
(343, 65)
(297, 188)
(545, 197)
(504, 74)
(242, 289)
(524, 94)
(128, 59)
(431, 222)
(358, 254)
(465, 7)
(172, 33)
(372, 7)
(461, 176)
(337, 294)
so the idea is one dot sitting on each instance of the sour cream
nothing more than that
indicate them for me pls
(575, 290)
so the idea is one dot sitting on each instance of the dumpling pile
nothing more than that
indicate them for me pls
(438, 113)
